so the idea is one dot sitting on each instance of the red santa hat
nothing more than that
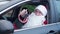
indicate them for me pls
(43, 9)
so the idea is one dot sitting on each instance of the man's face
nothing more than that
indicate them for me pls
(37, 12)
(24, 12)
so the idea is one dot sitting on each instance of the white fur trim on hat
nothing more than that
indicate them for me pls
(42, 9)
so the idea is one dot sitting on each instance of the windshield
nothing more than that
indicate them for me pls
(6, 3)
(4, 0)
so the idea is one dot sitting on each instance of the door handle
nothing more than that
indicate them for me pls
(51, 32)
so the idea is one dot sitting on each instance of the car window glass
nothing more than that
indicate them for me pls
(3, 3)
(8, 14)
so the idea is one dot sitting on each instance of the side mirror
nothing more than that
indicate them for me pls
(6, 27)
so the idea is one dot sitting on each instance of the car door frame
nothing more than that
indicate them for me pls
(53, 12)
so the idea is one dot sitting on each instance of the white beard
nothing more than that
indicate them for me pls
(34, 21)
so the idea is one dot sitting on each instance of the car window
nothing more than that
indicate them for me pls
(8, 14)
(30, 8)
(18, 24)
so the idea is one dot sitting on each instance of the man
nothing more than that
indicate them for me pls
(23, 14)
(37, 17)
